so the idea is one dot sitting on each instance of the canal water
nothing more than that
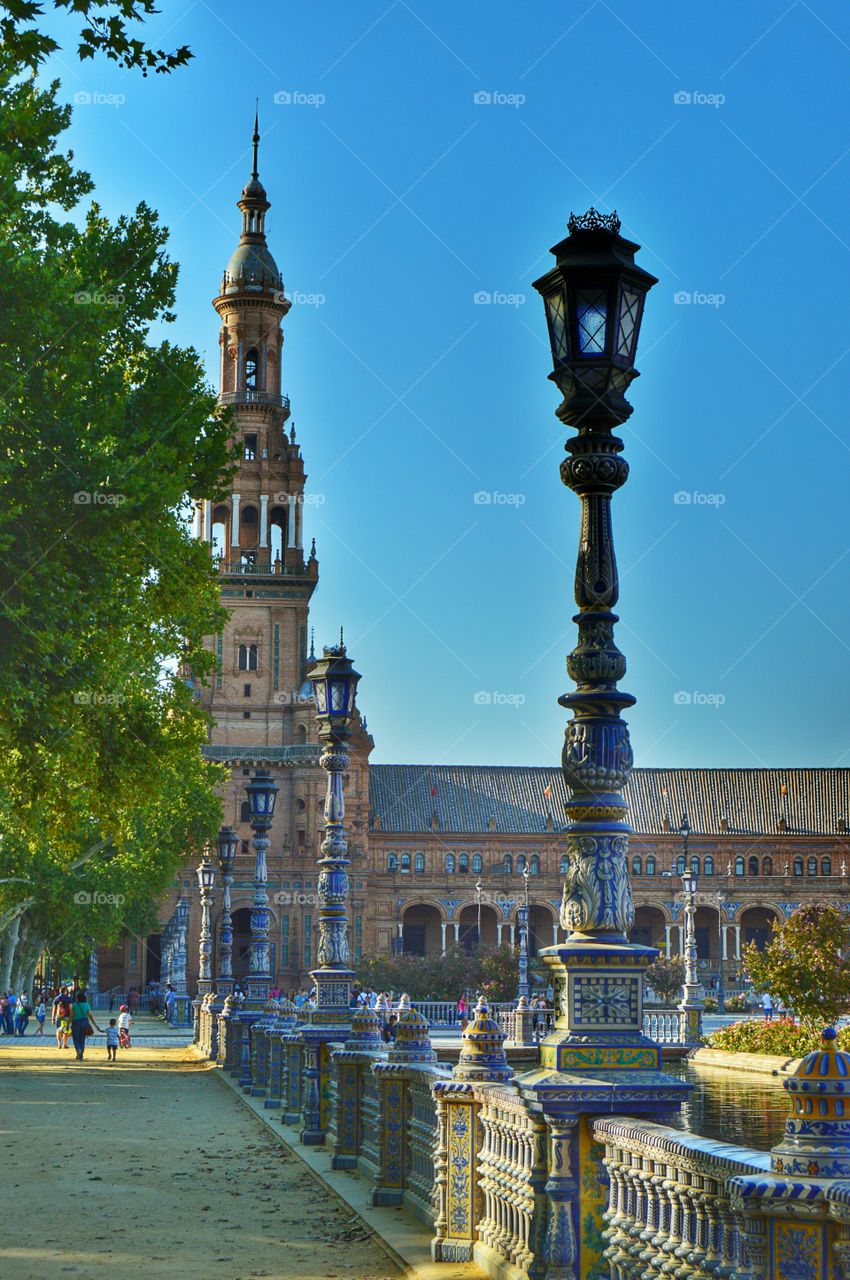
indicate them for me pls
(732, 1106)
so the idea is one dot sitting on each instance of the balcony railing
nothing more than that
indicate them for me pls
(277, 755)
(250, 569)
(262, 398)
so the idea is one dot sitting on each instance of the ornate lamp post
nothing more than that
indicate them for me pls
(206, 882)
(228, 847)
(334, 682)
(522, 920)
(594, 297)
(181, 957)
(262, 793)
(721, 980)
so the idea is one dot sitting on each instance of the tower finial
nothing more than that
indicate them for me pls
(312, 644)
(341, 639)
(256, 139)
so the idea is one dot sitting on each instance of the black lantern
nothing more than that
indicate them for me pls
(206, 873)
(594, 299)
(689, 883)
(228, 847)
(334, 682)
(262, 793)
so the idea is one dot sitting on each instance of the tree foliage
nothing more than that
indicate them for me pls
(806, 965)
(104, 30)
(666, 975)
(489, 972)
(105, 597)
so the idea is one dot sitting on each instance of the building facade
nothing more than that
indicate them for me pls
(433, 849)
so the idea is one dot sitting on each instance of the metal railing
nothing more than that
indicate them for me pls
(255, 397)
(251, 569)
(298, 751)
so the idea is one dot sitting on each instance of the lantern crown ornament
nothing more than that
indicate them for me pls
(594, 298)
(262, 793)
(817, 1133)
(228, 847)
(334, 682)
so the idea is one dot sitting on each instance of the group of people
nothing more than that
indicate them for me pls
(16, 1009)
(72, 1015)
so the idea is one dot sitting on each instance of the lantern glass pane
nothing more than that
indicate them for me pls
(321, 691)
(557, 325)
(591, 315)
(629, 315)
(339, 699)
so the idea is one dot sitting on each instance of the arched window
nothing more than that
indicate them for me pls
(637, 865)
(708, 865)
(767, 866)
(463, 863)
(520, 864)
(450, 864)
(245, 811)
(565, 865)
(392, 862)
(811, 867)
(826, 866)
(405, 862)
(219, 533)
(680, 865)
(277, 533)
(534, 865)
(753, 865)
(252, 369)
(798, 866)
(247, 657)
(508, 864)
(739, 866)
(650, 865)
(419, 863)
(695, 864)
(249, 519)
(477, 864)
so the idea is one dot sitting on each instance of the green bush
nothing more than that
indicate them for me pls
(735, 1004)
(783, 1037)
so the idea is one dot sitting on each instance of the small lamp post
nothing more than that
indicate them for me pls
(334, 682)
(721, 981)
(206, 882)
(522, 920)
(262, 793)
(692, 993)
(228, 847)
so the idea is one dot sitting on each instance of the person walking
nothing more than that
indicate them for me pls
(23, 1013)
(9, 1014)
(112, 1035)
(767, 1006)
(61, 1017)
(461, 1013)
(82, 1019)
(40, 1015)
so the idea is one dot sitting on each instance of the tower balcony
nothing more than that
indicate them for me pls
(297, 753)
(278, 569)
(255, 399)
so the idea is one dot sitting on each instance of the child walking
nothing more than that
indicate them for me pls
(40, 1015)
(124, 1021)
(112, 1041)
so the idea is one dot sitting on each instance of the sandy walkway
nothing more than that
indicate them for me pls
(150, 1169)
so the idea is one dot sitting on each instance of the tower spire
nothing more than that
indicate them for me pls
(256, 139)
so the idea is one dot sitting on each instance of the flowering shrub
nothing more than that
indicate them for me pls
(783, 1037)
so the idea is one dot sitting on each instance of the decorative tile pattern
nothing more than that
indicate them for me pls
(797, 1251)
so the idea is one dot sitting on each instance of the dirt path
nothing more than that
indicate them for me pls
(150, 1170)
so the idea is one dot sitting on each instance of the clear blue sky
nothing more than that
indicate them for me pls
(397, 197)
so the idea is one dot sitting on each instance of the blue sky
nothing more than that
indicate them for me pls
(398, 195)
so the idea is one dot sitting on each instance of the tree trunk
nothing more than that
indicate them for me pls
(10, 946)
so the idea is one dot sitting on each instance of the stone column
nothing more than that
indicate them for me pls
(234, 520)
(442, 937)
(207, 505)
(264, 519)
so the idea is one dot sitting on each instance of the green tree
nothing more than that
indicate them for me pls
(666, 975)
(105, 598)
(806, 965)
(489, 972)
(104, 30)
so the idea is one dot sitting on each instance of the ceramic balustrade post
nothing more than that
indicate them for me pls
(561, 1190)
